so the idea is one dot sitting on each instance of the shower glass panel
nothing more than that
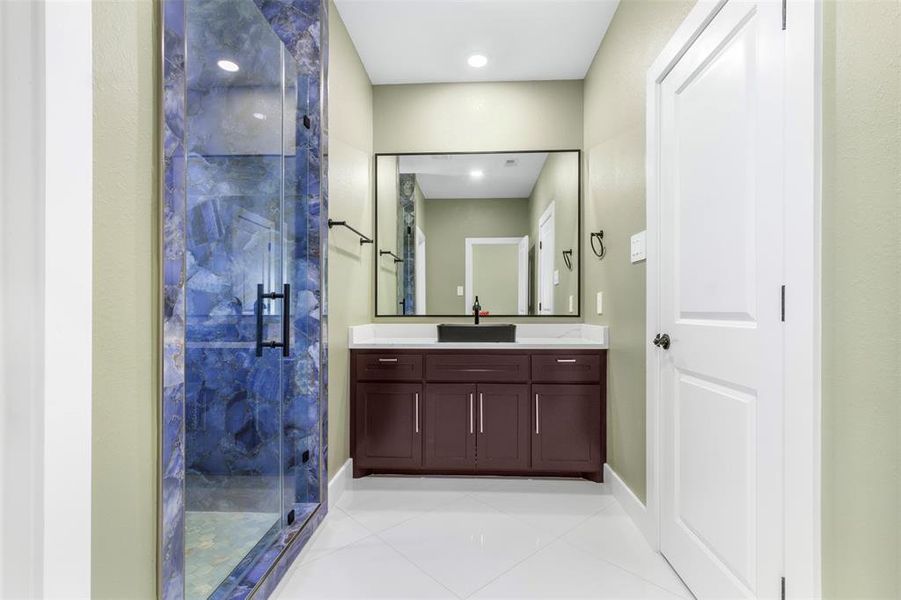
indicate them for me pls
(243, 411)
(242, 469)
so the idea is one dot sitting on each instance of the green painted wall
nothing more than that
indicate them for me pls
(558, 182)
(861, 298)
(350, 199)
(454, 117)
(126, 272)
(388, 270)
(470, 117)
(615, 202)
(448, 224)
(494, 277)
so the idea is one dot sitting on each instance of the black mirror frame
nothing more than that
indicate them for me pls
(375, 216)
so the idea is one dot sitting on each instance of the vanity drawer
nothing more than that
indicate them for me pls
(566, 368)
(389, 367)
(476, 368)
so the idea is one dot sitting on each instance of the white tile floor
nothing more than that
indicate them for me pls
(409, 537)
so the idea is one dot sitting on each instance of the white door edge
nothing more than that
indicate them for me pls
(549, 214)
(802, 422)
(46, 179)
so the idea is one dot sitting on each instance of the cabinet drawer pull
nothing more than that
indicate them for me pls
(470, 415)
(417, 413)
(566, 360)
(387, 360)
(537, 426)
(481, 419)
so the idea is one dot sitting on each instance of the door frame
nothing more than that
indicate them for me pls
(46, 297)
(549, 214)
(522, 270)
(802, 328)
(421, 273)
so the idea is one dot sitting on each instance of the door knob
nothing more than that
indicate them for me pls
(662, 341)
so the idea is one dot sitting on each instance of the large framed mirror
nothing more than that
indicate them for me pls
(500, 227)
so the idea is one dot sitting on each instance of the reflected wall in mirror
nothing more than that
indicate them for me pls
(453, 227)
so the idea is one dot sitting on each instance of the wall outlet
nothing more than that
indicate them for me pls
(459, 290)
(600, 303)
(639, 247)
(571, 303)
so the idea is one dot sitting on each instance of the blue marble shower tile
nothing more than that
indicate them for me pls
(215, 390)
(171, 552)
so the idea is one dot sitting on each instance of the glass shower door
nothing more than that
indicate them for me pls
(238, 323)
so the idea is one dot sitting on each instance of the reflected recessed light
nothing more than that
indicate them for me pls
(476, 174)
(477, 60)
(259, 116)
(227, 65)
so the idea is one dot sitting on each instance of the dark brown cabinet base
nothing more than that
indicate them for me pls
(453, 412)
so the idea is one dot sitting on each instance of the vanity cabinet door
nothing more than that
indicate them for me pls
(503, 427)
(388, 426)
(450, 426)
(566, 428)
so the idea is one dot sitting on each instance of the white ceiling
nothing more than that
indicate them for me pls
(428, 41)
(447, 176)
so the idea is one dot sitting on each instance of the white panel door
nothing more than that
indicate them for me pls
(546, 254)
(522, 296)
(720, 251)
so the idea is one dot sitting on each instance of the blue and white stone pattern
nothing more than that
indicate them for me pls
(227, 415)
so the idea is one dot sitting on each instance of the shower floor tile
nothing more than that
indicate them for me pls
(215, 542)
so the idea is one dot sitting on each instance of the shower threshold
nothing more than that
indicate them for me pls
(220, 547)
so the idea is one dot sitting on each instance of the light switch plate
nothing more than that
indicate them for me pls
(639, 247)
(571, 303)
(556, 277)
(600, 303)
(459, 290)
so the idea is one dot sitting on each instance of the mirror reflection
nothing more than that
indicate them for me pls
(500, 227)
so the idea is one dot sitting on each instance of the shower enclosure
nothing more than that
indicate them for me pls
(243, 432)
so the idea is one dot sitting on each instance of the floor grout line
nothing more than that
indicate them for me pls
(473, 494)
(417, 567)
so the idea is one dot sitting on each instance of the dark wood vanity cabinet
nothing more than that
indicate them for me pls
(449, 426)
(567, 427)
(503, 427)
(388, 425)
(503, 412)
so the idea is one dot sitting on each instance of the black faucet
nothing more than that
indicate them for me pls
(476, 309)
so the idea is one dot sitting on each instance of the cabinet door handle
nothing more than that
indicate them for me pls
(537, 426)
(481, 419)
(416, 419)
(388, 360)
(470, 414)
(566, 360)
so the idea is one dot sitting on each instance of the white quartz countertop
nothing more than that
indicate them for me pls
(538, 336)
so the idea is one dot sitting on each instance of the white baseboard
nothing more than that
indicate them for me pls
(340, 482)
(634, 507)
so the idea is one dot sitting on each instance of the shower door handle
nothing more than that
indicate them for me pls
(258, 309)
(285, 297)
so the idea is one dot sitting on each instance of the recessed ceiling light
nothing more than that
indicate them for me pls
(259, 116)
(476, 174)
(227, 65)
(477, 60)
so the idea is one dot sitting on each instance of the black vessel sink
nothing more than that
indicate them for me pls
(476, 333)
